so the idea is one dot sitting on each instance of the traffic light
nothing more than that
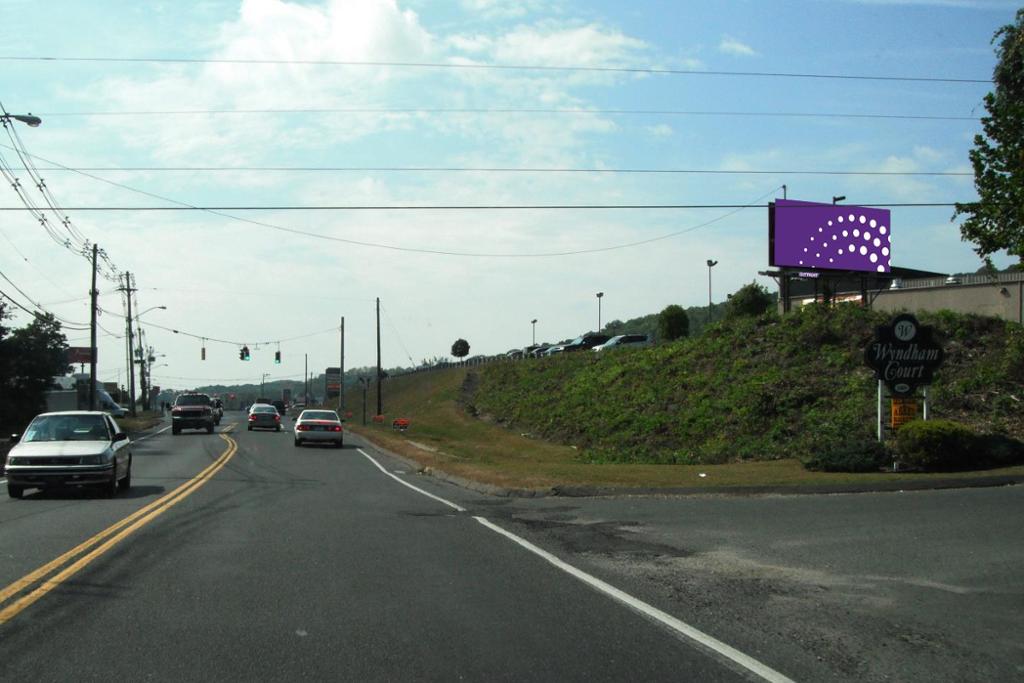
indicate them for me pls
(277, 357)
(203, 354)
(243, 354)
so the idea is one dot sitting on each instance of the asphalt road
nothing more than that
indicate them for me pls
(313, 563)
(307, 563)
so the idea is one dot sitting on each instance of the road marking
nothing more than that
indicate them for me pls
(131, 523)
(150, 436)
(414, 488)
(680, 627)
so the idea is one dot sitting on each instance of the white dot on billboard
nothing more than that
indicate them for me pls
(840, 252)
(882, 230)
(824, 244)
(863, 250)
(880, 269)
(851, 218)
(840, 219)
(834, 238)
(846, 233)
(831, 260)
(819, 229)
(877, 242)
(867, 235)
(872, 222)
(817, 255)
(851, 248)
(874, 258)
(801, 263)
(862, 219)
(830, 222)
(885, 251)
(856, 233)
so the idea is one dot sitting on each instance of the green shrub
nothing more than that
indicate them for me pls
(850, 455)
(999, 450)
(938, 445)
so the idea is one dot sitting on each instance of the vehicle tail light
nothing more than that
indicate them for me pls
(336, 428)
(277, 417)
(252, 418)
(302, 428)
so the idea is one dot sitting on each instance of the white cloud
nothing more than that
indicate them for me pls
(732, 46)
(660, 131)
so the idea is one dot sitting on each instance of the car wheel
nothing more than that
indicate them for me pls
(15, 491)
(175, 429)
(340, 444)
(126, 483)
(209, 428)
(298, 443)
(277, 428)
(249, 428)
(109, 489)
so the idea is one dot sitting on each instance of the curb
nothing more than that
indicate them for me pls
(579, 491)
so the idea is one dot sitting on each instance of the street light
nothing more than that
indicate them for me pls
(151, 308)
(262, 379)
(534, 323)
(28, 119)
(599, 296)
(711, 264)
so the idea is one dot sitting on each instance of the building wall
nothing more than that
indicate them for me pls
(1002, 300)
(1002, 297)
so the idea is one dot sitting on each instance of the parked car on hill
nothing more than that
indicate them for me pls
(623, 340)
(581, 343)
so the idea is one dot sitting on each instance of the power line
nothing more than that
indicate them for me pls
(517, 110)
(500, 67)
(734, 208)
(452, 207)
(495, 169)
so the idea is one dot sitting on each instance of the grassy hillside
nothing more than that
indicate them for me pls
(758, 389)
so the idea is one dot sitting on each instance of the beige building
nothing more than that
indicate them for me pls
(1000, 295)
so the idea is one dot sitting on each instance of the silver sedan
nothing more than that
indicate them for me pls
(264, 416)
(69, 449)
(319, 426)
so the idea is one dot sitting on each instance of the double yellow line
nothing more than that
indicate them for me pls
(103, 541)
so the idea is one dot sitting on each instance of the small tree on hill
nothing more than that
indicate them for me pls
(460, 349)
(673, 323)
(748, 301)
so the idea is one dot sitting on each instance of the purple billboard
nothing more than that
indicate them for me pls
(828, 236)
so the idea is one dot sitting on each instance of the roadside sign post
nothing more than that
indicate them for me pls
(904, 356)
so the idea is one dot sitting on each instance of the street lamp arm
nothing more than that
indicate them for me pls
(28, 119)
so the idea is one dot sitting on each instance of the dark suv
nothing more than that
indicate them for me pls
(192, 411)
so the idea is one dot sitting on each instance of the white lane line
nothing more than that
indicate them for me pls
(680, 627)
(414, 488)
(149, 436)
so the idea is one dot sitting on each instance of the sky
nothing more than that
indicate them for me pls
(242, 93)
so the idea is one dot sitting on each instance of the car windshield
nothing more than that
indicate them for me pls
(264, 409)
(192, 400)
(68, 428)
(320, 415)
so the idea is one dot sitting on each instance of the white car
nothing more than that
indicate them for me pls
(624, 340)
(319, 426)
(69, 449)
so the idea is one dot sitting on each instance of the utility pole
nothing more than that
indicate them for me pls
(92, 336)
(364, 382)
(341, 384)
(142, 354)
(711, 264)
(305, 383)
(131, 345)
(380, 404)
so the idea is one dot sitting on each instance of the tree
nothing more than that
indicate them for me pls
(748, 301)
(996, 221)
(673, 323)
(30, 357)
(460, 349)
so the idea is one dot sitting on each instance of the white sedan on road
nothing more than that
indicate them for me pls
(70, 449)
(319, 426)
